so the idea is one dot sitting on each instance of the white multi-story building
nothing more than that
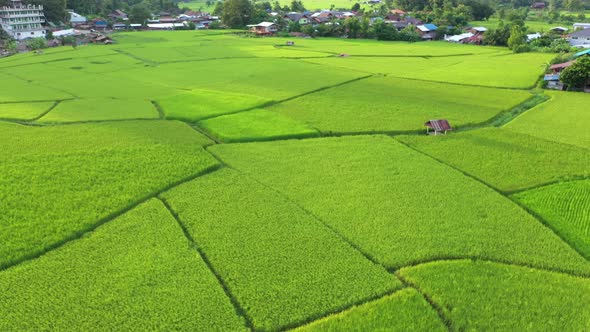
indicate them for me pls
(22, 21)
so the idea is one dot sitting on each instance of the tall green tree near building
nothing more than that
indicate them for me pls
(237, 13)
(577, 75)
(55, 10)
(517, 37)
(139, 14)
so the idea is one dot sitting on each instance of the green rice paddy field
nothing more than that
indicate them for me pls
(203, 181)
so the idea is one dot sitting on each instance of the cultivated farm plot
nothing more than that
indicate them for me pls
(24, 111)
(282, 264)
(256, 125)
(503, 159)
(272, 79)
(136, 192)
(497, 69)
(562, 119)
(21, 90)
(384, 198)
(384, 104)
(566, 208)
(82, 110)
(406, 310)
(118, 277)
(201, 104)
(80, 175)
(488, 296)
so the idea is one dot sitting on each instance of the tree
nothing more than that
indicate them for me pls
(11, 47)
(352, 26)
(55, 10)
(577, 75)
(37, 43)
(355, 7)
(517, 37)
(479, 10)
(297, 6)
(498, 36)
(139, 14)
(218, 10)
(384, 31)
(237, 13)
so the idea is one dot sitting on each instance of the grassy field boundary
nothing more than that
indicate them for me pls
(341, 310)
(161, 113)
(83, 232)
(585, 275)
(205, 133)
(135, 57)
(546, 184)
(505, 117)
(234, 301)
(437, 307)
(506, 195)
(47, 111)
(24, 122)
(274, 102)
(463, 84)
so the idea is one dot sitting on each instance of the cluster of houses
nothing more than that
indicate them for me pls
(397, 18)
(579, 38)
(161, 21)
(552, 79)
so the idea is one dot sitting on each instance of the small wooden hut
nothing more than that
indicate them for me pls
(438, 126)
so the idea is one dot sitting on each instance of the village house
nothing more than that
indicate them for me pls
(99, 23)
(302, 19)
(118, 15)
(22, 21)
(264, 28)
(552, 78)
(77, 19)
(578, 26)
(580, 38)
(460, 39)
(477, 30)
(559, 30)
(119, 26)
(532, 36)
(538, 5)
(427, 31)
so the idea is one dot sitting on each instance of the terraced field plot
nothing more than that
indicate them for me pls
(247, 231)
(492, 296)
(144, 200)
(130, 266)
(404, 310)
(256, 125)
(379, 195)
(198, 104)
(561, 119)
(498, 69)
(505, 160)
(77, 176)
(80, 110)
(384, 104)
(566, 207)
(24, 111)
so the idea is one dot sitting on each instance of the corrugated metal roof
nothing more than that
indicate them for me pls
(562, 65)
(439, 125)
(582, 53)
